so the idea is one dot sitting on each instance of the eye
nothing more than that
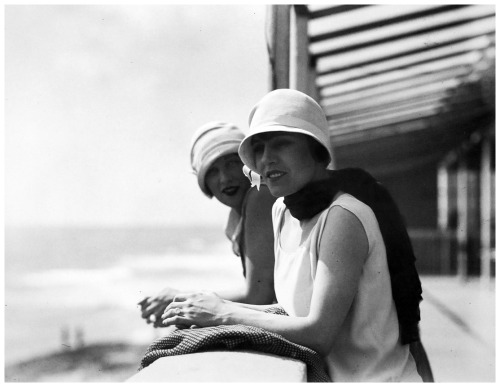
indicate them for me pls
(282, 142)
(258, 147)
(235, 162)
(211, 173)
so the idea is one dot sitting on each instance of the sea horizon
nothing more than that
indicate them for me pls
(83, 283)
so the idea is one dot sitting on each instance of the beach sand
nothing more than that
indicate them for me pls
(105, 362)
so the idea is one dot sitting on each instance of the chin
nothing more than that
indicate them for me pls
(277, 191)
(235, 202)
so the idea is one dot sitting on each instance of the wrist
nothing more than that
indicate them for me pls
(227, 316)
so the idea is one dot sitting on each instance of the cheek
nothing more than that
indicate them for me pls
(244, 182)
(303, 166)
(304, 157)
(211, 183)
(238, 176)
(257, 160)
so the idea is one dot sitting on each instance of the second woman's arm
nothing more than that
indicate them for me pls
(259, 247)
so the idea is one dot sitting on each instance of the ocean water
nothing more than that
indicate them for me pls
(68, 286)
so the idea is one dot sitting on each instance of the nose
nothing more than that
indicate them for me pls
(223, 176)
(264, 158)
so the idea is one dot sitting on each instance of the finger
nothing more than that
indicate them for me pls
(147, 321)
(177, 310)
(146, 313)
(144, 307)
(175, 305)
(158, 321)
(176, 320)
(154, 320)
(153, 307)
(182, 327)
(182, 297)
(144, 301)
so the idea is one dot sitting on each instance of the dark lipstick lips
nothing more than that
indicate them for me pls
(230, 191)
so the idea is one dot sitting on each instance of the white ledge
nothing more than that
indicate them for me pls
(223, 366)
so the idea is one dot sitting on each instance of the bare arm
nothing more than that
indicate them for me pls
(343, 250)
(259, 248)
(258, 288)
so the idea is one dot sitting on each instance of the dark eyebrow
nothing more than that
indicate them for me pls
(255, 139)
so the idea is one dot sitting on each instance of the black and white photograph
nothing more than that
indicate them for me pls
(249, 192)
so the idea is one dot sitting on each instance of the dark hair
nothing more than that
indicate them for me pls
(318, 151)
(264, 136)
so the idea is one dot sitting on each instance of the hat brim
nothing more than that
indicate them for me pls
(245, 149)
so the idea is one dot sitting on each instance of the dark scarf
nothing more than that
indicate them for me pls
(405, 282)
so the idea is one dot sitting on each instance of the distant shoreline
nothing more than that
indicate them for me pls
(70, 286)
(103, 362)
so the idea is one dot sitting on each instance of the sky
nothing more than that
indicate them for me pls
(101, 102)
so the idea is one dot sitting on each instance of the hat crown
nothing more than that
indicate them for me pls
(213, 132)
(281, 103)
(285, 110)
(209, 142)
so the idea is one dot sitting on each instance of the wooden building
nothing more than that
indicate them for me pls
(409, 93)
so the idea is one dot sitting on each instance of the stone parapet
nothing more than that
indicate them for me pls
(223, 366)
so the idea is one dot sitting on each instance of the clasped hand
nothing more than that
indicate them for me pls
(153, 307)
(202, 309)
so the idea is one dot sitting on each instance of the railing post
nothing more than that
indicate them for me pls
(462, 218)
(485, 210)
(299, 50)
(443, 217)
(279, 45)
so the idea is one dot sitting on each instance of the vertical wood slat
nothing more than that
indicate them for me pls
(485, 211)
(299, 52)
(443, 190)
(443, 197)
(279, 45)
(462, 219)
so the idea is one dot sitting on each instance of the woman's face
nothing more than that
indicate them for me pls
(226, 181)
(285, 162)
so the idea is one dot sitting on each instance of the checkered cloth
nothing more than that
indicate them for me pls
(236, 337)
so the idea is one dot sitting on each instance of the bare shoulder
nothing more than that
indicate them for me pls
(345, 228)
(339, 215)
(259, 201)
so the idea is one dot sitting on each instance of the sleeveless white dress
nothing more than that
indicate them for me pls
(367, 347)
